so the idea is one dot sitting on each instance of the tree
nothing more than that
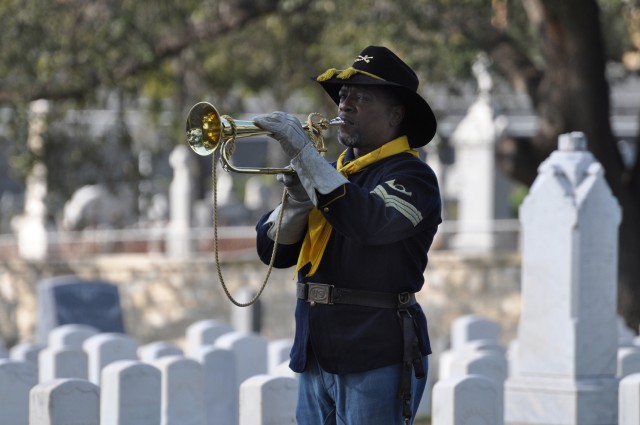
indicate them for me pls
(75, 51)
(571, 93)
(561, 65)
(82, 54)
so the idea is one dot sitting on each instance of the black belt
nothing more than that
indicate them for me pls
(321, 293)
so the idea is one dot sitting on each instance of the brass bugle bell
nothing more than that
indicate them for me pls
(208, 131)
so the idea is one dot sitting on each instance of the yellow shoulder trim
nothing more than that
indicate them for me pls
(344, 192)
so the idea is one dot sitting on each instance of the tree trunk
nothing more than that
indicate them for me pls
(573, 95)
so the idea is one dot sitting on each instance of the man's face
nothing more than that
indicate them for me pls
(372, 116)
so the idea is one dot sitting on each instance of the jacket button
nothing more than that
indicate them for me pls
(312, 303)
(325, 209)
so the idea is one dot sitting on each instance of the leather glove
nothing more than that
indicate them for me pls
(314, 171)
(286, 129)
(316, 174)
(294, 219)
(294, 187)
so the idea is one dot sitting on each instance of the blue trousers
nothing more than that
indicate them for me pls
(367, 398)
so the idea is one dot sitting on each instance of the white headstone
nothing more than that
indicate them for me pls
(492, 345)
(278, 352)
(424, 408)
(154, 350)
(445, 359)
(469, 332)
(512, 358)
(283, 369)
(489, 364)
(628, 361)
(470, 399)
(248, 318)
(62, 362)
(130, 394)
(182, 391)
(16, 380)
(628, 400)
(71, 335)
(250, 351)
(64, 402)
(568, 331)
(26, 352)
(220, 390)
(268, 400)
(626, 335)
(204, 332)
(106, 348)
(471, 328)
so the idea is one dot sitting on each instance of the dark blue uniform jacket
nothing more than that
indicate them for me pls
(384, 221)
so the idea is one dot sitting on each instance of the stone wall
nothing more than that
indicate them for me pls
(162, 296)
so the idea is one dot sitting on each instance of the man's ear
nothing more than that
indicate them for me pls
(397, 115)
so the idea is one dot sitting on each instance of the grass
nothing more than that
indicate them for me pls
(422, 420)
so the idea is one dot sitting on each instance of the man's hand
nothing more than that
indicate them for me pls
(286, 129)
(294, 187)
(294, 216)
(314, 172)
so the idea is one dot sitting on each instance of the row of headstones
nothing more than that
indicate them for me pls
(472, 374)
(83, 376)
(157, 383)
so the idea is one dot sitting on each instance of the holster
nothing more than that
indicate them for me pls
(411, 361)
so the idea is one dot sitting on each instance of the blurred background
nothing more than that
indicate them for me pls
(95, 180)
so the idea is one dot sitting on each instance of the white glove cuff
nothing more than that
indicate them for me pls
(294, 221)
(315, 173)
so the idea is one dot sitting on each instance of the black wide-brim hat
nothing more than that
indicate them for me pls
(379, 66)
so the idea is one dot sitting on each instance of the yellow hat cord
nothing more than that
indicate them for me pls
(344, 74)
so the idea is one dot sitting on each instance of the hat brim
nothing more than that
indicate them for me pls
(420, 120)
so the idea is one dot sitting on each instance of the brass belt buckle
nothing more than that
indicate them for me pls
(319, 293)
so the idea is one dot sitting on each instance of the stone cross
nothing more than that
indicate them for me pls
(483, 188)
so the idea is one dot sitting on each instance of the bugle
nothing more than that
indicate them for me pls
(208, 131)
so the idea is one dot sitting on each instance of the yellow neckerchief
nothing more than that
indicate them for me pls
(315, 241)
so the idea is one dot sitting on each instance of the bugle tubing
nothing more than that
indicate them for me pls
(208, 131)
